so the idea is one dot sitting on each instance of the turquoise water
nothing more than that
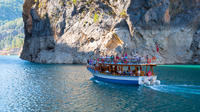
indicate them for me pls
(29, 87)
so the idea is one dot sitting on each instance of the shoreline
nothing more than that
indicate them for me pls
(86, 64)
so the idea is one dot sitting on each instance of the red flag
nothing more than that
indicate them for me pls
(157, 48)
(126, 55)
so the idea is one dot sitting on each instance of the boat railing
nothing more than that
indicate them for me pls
(123, 61)
(106, 69)
(128, 63)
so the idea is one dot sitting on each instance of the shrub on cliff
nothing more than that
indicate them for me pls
(96, 17)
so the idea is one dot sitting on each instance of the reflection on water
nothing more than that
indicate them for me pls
(26, 86)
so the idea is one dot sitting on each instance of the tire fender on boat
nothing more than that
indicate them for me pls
(141, 80)
(148, 82)
(157, 82)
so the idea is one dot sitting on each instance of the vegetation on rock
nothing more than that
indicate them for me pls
(96, 17)
(11, 24)
(10, 10)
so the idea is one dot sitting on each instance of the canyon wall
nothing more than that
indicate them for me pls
(71, 31)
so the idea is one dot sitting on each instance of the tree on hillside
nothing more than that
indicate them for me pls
(10, 10)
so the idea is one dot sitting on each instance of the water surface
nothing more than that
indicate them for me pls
(29, 87)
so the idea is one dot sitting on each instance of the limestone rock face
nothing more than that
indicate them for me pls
(70, 31)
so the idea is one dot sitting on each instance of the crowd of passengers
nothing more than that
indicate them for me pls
(122, 60)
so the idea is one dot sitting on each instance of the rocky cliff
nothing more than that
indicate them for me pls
(70, 31)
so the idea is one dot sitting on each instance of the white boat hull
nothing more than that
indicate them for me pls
(131, 80)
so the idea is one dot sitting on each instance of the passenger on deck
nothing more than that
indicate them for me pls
(112, 58)
(119, 72)
(124, 73)
(126, 56)
(133, 71)
(139, 60)
(128, 73)
(147, 58)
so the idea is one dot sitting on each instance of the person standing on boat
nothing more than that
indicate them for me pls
(94, 61)
(112, 58)
(117, 57)
(147, 58)
(139, 59)
(126, 56)
(91, 61)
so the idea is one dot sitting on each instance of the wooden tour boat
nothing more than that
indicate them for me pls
(134, 71)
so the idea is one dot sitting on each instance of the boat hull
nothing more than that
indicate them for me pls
(129, 80)
(114, 79)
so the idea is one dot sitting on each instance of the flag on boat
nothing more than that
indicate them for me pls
(157, 48)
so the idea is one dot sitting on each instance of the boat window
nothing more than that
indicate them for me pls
(125, 68)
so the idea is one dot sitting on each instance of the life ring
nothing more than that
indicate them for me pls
(149, 73)
(149, 61)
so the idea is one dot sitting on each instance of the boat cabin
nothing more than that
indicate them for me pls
(125, 70)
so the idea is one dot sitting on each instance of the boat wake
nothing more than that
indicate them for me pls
(174, 89)
(184, 89)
